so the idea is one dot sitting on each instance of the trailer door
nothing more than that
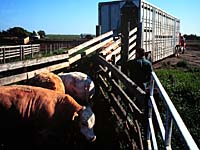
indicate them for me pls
(110, 15)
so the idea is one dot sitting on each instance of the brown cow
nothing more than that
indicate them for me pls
(39, 111)
(48, 80)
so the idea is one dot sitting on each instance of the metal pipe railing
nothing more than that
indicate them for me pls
(172, 117)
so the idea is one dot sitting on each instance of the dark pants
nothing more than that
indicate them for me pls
(140, 100)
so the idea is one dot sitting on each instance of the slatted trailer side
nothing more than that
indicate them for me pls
(158, 31)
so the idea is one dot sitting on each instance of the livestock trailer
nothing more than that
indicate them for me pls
(158, 31)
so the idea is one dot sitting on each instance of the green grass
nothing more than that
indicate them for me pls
(183, 87)
(62, 37)
(193, 42)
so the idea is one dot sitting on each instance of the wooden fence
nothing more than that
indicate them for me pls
(112, 52)
(49, 46)
(18, 51)
(120, 91)
(52, 63)
(104, 44)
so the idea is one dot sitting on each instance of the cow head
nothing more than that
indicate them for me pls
(86, 122)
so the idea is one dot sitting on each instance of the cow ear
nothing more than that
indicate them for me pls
(74, 116)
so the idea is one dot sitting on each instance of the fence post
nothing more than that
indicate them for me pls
(128, 20)
(51, 45)
(98, 33)
(46, 48)
(168, 130)
(4, 55)
(125, 34)
(98, 30)
(32, 51)
(149, 107)
(21, 52)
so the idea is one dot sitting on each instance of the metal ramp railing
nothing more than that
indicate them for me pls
(172, 116)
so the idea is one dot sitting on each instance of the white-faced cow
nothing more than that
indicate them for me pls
(79, 85)
(39, 111)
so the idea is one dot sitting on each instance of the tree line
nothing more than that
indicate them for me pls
(20, 32)
(191, 37)
(17, 35)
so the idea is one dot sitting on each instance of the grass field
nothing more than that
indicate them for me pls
(183, 86)
(62, 37)
(193, 42)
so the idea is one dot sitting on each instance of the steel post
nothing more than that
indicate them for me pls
(129, 19)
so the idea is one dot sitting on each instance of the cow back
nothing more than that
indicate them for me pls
(49, 81)
(38, 103)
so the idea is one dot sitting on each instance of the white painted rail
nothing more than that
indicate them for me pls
(18, 51)
(172, 116)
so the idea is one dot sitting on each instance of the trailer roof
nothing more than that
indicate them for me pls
(160, 9)
(117, 1)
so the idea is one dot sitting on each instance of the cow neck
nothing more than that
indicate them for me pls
(70, 105)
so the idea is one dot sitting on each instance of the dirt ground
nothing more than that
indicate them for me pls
(191, 56)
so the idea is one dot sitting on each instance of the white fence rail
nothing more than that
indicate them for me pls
(165, 126)
(52, 63)
(18, 51)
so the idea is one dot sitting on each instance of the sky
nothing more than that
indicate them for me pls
(81, 16)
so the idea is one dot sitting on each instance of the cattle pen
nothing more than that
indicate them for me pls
(119, 122)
